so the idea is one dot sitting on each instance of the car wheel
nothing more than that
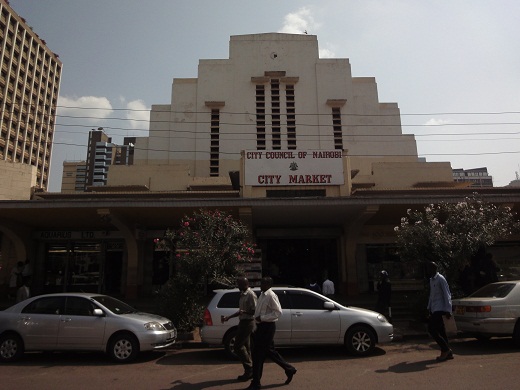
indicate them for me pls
(360, 340)
(516, 334)
(229, 344)
(123, 347)
(11, 347)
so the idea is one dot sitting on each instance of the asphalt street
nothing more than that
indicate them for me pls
(404, 365)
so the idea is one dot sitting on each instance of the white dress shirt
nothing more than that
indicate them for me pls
(268, 307)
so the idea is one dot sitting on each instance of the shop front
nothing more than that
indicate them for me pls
(80, 261)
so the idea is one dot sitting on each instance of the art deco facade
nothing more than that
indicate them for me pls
(29, 87)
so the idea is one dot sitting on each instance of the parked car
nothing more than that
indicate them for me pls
(493, 310)
(308, 318)
(81, 322)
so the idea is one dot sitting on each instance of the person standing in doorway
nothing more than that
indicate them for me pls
(384, 294)
(268, 310)
(16, 280)
(24, 291)
(245, 314)
(314, 286)
(328, 288)
(439, 306)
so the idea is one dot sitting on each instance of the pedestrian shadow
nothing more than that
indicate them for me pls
(215, 384)
(407, 367)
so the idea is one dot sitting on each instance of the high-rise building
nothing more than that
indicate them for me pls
(101, 154)
(29, 87)
(74, 175)
(477, 177)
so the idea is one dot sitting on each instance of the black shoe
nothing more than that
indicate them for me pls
(252, 386)
(290, 374)
(245, 376)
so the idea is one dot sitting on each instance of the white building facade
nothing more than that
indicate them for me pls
(275, 93)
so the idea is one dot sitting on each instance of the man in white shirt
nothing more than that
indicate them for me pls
(439, 306)
(268, 310)
(328, 288)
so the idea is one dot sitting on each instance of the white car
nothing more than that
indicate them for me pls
(81, 322)
(493, 310)
(308, 318)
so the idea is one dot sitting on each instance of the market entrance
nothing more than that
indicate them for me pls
(296, 261)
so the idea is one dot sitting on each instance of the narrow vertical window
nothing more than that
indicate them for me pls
(214, 147)
(337, 128)
(291, 116)
(275, 114)
(260, 117)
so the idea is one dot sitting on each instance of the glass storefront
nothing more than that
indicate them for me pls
(83, 266)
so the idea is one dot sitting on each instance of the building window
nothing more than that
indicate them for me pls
(275, 114)
(291, 116)
(337, 128)
(260, 117)
(214, 147)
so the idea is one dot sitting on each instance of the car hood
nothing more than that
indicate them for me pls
(361, 310)
(141, 316)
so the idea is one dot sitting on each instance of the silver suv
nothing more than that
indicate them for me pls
(308, 318)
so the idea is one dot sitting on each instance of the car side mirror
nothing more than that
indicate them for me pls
(328, 306)
(98, 313)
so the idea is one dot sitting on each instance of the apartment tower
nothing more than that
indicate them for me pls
(29, 87)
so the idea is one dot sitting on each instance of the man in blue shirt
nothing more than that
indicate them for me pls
(439, 306)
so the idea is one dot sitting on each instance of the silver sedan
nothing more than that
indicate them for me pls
(308, 318)
(81, 322)
(494, 310)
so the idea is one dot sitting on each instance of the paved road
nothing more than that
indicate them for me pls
(406, 365)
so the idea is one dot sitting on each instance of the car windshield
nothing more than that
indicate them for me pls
(495, 290)
(114, 305)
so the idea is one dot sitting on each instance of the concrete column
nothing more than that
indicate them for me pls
(133, 277)
(353, 229)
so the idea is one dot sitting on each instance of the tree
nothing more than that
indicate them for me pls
(205, 250)
(451, 233)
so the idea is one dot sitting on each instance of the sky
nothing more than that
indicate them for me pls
(453, 67)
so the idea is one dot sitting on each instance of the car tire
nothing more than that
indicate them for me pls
(11, 347)
(360, 340)
(123, 347)
(229, 343)
(516, 334)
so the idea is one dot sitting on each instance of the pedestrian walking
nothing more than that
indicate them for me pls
(439, 307)
(268, 310)
(246, 324)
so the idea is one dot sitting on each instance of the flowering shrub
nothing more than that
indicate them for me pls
(451, 233)
(206, 248)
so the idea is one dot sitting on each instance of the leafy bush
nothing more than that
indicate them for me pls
(207, 249)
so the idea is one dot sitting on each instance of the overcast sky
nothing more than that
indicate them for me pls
(452, 66)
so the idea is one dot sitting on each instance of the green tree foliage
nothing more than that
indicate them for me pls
(451, 233)
(205, 249)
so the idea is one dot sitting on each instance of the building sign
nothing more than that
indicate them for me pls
(293, 167)
(75, 235)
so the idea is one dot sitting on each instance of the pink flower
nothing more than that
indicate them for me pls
(186, 223)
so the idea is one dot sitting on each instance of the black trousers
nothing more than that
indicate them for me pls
(263, 347)
(437, 330)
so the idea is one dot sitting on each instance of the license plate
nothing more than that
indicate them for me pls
(459, 310)
(172, 335)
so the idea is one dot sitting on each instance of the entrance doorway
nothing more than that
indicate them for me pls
(83, 267)
(296, 261)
